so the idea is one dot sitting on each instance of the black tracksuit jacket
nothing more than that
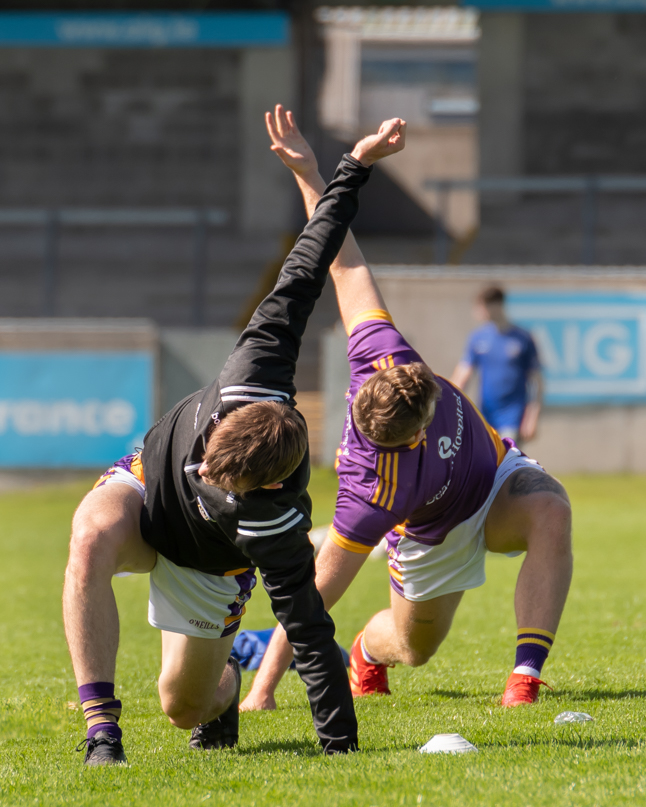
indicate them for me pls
(205, 528)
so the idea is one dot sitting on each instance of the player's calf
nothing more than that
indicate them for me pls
(223, 731)
(532, 513)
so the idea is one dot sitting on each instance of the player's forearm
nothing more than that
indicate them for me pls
(336, 568)
(355, 286)
(312, 187)
(275, 663)
(277, 326)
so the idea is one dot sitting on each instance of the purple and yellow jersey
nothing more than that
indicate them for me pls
(422, 490)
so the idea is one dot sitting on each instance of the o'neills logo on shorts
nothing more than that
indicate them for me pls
(203, 624)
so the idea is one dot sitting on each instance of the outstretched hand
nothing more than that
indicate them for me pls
(288, 143)
(390, 139)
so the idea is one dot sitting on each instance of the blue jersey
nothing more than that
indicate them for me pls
(504, 359)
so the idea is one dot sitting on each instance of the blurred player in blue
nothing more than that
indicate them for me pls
(505, 356)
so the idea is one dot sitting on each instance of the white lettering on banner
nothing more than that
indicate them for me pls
(92, 418)
(619, 352)
(581, 347)
(119, 32)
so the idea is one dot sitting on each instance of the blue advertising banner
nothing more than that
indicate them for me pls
(73, 409)
(224, 29)
(592, 345)
(612, 6)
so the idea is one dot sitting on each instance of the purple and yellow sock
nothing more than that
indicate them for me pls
(101, 710)
(532, 649)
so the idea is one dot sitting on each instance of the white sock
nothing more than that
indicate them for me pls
(366, 656)
(522, 670)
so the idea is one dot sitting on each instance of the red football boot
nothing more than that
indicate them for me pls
(366, 678)
(521, 689)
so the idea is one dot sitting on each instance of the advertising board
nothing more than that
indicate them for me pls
(73, 409)
(592, 344)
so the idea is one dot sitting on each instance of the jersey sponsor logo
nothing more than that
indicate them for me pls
(446, 447)
(439, 494)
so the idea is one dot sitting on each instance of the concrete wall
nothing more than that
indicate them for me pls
(584, 78)
(151, 127)
(501, 77)
(433, 310)
(267, 77)
(189, 359)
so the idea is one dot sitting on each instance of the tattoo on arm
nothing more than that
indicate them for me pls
(528, 480)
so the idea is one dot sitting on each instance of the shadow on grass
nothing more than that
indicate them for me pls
(568, 741)
(574, 694)
(599, 694)
(451, 694)
(303, 748)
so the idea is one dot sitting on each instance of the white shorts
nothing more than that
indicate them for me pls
(184, 600)
(194, 603)
(419, 572)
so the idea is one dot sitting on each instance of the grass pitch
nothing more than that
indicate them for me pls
(597, 665)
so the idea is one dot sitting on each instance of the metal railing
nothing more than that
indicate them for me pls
(589, 187)
(54, 220)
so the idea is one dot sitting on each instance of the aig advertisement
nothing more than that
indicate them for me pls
(82, 409)
(592, 345)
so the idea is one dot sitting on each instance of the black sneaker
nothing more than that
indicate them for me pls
(223, 731)
(103, 749)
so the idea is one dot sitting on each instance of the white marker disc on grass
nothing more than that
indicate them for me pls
(573, 717)
(448, 744)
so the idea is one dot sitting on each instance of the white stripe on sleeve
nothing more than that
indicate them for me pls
(271, 523)
(265, 533)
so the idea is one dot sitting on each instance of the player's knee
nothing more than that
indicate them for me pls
(417, 656)
(557, 514)
(553, 525)
(184, 713)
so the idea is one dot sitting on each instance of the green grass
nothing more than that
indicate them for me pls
(598, 665)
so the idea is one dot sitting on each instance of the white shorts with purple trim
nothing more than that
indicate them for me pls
(184, 600)
(419, 572)
(194, 603)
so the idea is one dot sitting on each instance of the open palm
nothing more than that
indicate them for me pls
(288, 143)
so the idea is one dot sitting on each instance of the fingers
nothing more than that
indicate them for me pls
(292, 122)
(281, 120)
(389, 127)
(399, 138)
(271, 127)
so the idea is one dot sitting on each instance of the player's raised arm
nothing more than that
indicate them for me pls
(268, 348)
(355, 286)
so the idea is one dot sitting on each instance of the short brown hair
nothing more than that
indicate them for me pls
(258, 444)
(394, 403)
(492, 294)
